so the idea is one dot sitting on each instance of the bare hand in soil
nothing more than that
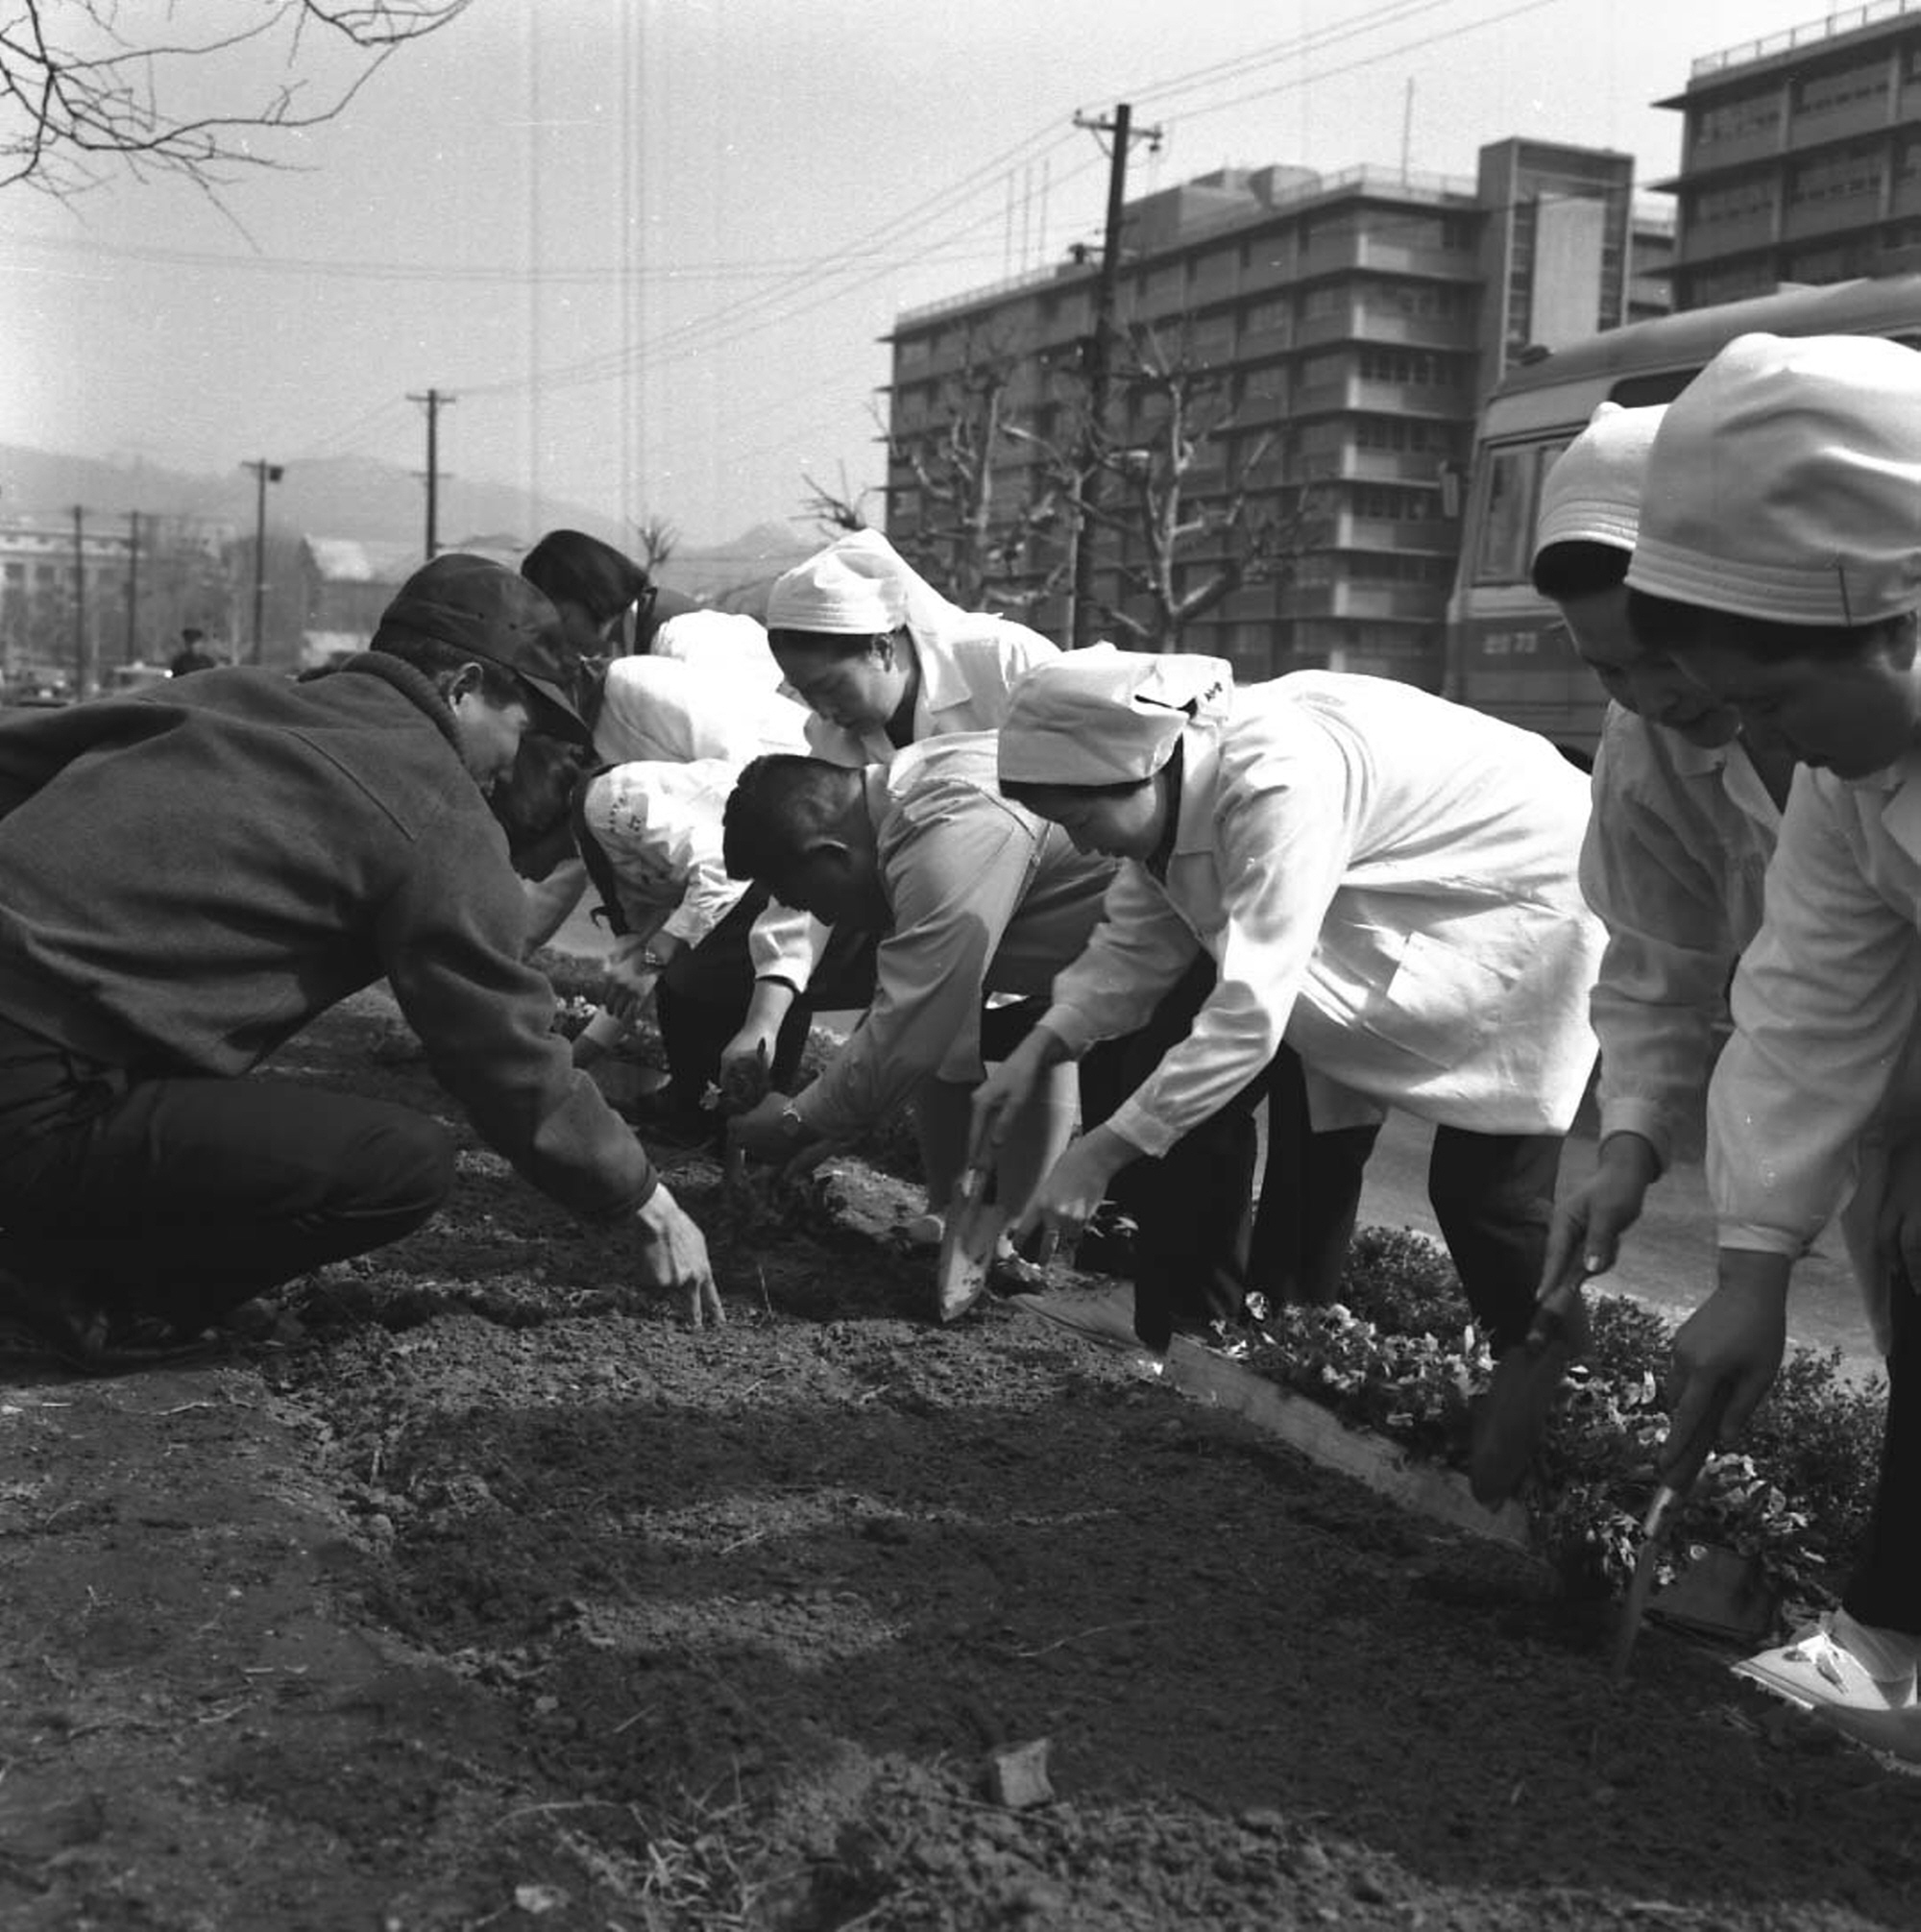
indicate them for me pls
(673, 1254)
(745, 1078)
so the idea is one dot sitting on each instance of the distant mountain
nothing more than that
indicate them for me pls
(371, 502)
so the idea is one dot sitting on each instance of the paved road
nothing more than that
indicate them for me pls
(1667, 1260)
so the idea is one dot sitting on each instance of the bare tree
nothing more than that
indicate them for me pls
(1196, 540)
(965, 536)
(844, 510)
(85, 84)
(658, 540)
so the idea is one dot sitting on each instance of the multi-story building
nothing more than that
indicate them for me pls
(1355, 322)
(1801, 157)
(83, 593)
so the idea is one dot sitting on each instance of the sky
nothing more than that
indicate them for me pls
(651, 247)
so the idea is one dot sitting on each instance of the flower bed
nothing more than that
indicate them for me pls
(1398, 1355)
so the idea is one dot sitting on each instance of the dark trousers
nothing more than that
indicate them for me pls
(1886, 1588)
(181, 1197)
(1200, 1251)
(702, 998)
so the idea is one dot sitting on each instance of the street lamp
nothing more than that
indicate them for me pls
(265, 473)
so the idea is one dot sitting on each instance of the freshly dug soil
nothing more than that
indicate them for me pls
(482, 1592)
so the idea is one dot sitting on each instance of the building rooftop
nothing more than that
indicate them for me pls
(1365, 178)
(1834, 24)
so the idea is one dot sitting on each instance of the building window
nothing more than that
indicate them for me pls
(1820, 94)
(1735, 202)
(1419, 367)
(1391, 502)
(1854, 171)
(1270, 317)
(1731, 121)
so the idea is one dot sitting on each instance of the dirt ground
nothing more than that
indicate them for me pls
(485, 1594)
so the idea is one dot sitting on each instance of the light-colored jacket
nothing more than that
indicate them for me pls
(1819, 1077)
(661, 708)
(660, 826)
(726, 643)
(966, 670)
(967, 667)
(1674, 864)
(1388, 882)
(982, 897)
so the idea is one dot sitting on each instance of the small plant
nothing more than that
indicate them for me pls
(1400, 1355)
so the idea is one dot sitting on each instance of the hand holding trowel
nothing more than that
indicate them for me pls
(1508, 1425)
(1682, 1467)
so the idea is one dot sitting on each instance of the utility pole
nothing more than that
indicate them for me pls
(432, 402)
(132, 586)
(83, 657)
(265, 473)
(1095, 363)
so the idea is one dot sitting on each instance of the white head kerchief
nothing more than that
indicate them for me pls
(1785, 483)
(859, 585)
(1593, 490)
(1106, 716)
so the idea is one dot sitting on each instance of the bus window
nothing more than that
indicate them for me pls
(1505, 552)
(1507, 516)
(1643, 392)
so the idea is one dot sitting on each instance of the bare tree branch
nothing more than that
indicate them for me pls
(1250, 529)
(845, 511)
(966, 538)
(658, 540)
(78, 94)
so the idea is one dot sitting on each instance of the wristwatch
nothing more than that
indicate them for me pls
(652, 961)
(791, 1124)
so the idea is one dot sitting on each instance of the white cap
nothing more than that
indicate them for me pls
(1105, 716)
(1785, 483)
(1592, 491)
(850, 589)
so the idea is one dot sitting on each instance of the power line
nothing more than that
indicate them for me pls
(1371, 59)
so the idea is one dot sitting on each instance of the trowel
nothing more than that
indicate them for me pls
(974, 1227)
(1507, 1428)
(1660, 1520)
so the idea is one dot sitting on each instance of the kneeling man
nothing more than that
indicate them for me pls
(196, 872)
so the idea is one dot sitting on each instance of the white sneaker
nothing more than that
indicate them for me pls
(1822, 1674)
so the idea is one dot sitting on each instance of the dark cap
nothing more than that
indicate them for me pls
(490, 612)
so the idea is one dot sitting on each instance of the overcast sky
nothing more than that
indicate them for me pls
(650, 245)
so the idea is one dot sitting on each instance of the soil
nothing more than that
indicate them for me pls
(480, 1591)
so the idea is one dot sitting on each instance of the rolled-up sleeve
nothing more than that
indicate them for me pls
(1823, 1002)
(955, 874)
(1286, 838)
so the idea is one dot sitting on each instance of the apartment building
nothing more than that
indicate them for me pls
(1801, 157)
(1355, 322)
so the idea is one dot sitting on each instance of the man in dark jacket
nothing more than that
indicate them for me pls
(189, 877)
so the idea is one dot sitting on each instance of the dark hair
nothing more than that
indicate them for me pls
(831, 643)
(601, 580)
(780, 805)
(1579, 567)
(1022, 791)
(535, 799)
(435, 658)
(1668, 625)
